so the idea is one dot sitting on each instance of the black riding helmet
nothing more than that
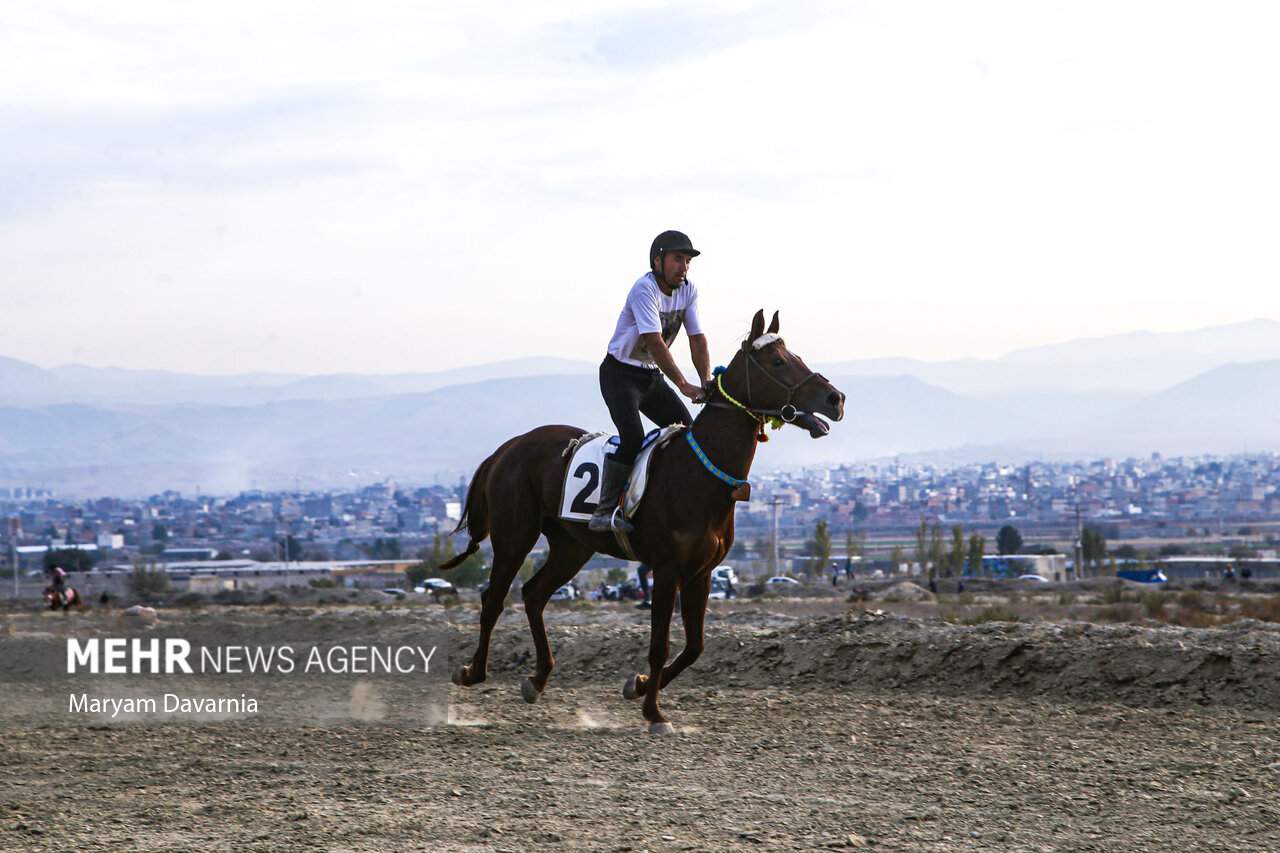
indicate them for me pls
(670, 241)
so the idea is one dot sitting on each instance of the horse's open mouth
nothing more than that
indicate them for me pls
(816, 426)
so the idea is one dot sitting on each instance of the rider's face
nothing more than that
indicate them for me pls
(675, 266)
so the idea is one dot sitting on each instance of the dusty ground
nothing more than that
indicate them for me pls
(840, 730)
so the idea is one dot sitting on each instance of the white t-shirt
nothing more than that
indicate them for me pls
(648, 310)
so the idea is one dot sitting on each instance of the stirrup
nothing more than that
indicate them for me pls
(614, 522)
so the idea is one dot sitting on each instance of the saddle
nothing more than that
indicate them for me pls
(581, 490)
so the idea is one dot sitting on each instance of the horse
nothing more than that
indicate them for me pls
(683, 526)
(67, 599)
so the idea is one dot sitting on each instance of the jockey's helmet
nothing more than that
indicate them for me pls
(671, 241)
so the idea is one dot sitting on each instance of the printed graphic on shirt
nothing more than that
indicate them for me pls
(671, 323)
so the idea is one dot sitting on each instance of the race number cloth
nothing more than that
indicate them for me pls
(581, 489)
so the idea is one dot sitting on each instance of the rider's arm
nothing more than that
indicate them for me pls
(701, 354)
(667, 364)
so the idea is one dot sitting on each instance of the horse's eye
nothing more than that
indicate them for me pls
(778, 362)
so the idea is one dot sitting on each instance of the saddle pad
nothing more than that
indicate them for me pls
(581, 490)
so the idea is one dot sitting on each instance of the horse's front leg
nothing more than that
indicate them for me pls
(693, 611)
(664, 602)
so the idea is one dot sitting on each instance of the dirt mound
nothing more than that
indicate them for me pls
(1236, 665)
(906, 591)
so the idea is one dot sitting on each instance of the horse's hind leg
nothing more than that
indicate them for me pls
(509, 550)
(565, 557)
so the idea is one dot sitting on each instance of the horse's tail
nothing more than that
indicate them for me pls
(475, 514)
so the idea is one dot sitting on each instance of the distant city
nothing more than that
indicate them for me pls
(1157, 506)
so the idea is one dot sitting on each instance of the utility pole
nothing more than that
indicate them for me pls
(1079, 546)
(774, 501)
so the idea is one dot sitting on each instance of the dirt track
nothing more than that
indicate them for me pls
(836, 732)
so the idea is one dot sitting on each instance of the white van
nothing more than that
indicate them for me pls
(724, 573)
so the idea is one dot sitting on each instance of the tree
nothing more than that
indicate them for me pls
(290, 548)
(1093, 547)
(955, 557)
(896, 556)
(1008, 540)
(937, 550)
(855, 543)
(69, 560)
(469, 574)
(977, 545)
(146, 579)
(384, 549)
(860, 512)
(821, 545)
(922, 545)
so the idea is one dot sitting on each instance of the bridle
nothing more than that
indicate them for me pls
(787, 412)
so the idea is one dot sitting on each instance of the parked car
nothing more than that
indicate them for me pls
(436, 586)
(391, 590)
(780, 580)
(721, 590)
(1033, 578)
(564, 593)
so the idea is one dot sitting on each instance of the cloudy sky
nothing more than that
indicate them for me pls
(329, 187)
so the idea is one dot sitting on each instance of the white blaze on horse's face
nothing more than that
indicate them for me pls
(764, 340)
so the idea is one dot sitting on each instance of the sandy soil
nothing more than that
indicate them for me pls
(845, 730)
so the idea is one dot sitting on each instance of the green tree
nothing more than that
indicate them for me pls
(955, 557)
(1093, 547)
(469, 574)
(977, 545)
(69, 560)
(896, 557)
(382, 549)
(1008, 540)
(855, 544)
(922, 545)
(937, 550)
(146, 579)
(821, 546)
(290, 549)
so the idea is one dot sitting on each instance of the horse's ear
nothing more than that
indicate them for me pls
(773, 327)
(757, 325)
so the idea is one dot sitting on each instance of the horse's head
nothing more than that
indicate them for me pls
(769, 380)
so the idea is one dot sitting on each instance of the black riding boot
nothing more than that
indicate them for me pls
(612, 482)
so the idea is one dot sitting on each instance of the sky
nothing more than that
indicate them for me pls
(386, 187)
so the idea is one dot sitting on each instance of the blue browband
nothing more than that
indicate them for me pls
(732, 481)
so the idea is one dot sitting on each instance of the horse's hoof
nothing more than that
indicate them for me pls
(662, 729)
(457, 676)
(631, 689)
(528, 692)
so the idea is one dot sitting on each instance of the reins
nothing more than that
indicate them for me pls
(774, 417)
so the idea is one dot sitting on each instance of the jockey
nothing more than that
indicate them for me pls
(631, 374)
(58, 582)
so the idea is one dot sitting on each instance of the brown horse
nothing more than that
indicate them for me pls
(66, 599)
(683, 527)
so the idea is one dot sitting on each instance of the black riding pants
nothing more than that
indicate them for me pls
(630, 391)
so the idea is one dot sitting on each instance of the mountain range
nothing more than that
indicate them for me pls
(95, 431)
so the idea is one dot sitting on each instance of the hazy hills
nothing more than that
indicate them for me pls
(91, 431)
